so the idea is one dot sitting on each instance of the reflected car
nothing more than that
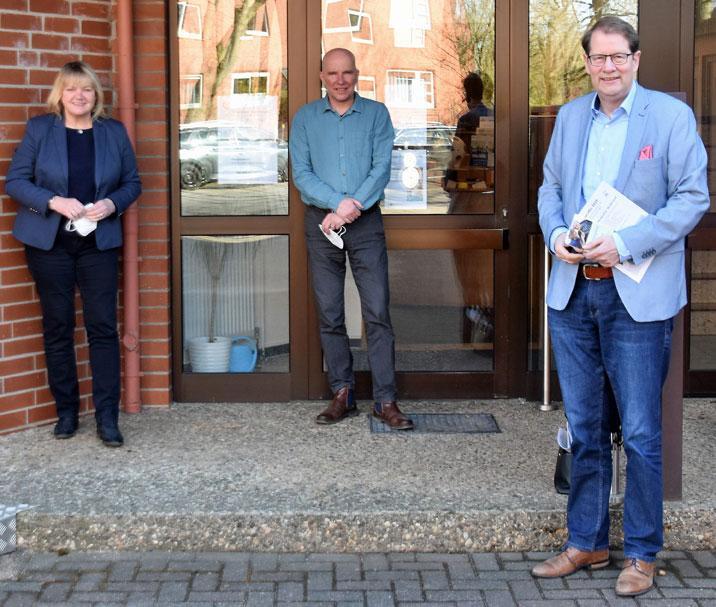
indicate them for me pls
(227, 152)
(434, 138)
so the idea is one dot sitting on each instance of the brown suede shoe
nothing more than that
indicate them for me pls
(570, 561)
(343, 405)
(637, 577)
(389, 414)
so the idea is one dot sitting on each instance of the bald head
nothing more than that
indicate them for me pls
(338, 52)
(339, 75)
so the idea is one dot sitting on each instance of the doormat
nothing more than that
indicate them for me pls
(445, 423)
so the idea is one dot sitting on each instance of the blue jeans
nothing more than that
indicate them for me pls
(597, 344)
(364, 244)
(73, 262)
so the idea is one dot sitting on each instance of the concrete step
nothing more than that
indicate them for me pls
(265, 477)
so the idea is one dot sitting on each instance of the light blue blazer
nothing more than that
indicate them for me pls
(671, 186)
(39, 170)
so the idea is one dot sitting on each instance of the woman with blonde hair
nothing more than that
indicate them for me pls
(73, 175)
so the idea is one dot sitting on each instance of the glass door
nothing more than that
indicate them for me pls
(432, 63)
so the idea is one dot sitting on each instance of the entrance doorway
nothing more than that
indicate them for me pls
(472, 88)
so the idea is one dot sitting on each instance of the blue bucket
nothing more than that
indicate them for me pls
(243, 355)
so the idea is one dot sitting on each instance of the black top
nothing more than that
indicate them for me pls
(80, 157)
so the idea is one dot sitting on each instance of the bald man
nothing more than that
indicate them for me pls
(341, 149)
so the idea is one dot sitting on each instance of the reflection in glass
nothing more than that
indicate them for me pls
(235, 302)
(705, 84)
(233, 155)
(557, 72)
(441, 305)
(414, 55)
(703, 311)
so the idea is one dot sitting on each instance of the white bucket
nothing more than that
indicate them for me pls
(209, 357)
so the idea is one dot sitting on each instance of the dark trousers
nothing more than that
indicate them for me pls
(364, 244)
(76, 261)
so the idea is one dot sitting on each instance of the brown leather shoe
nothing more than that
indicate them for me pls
(389, 414)
(570, 561)
(637, 577)
(343, 405)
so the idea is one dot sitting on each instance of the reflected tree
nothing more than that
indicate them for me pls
(556, 26)
(227, 48)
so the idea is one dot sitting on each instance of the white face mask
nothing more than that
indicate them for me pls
(334, 237)
(82, 226)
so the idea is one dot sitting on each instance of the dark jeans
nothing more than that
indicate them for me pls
(598, 348)
(364, 243)
(74, 260)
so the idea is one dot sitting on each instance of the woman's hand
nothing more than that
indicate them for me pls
(68, 207)
(101, 210)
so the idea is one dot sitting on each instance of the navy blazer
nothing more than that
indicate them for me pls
(39, 171)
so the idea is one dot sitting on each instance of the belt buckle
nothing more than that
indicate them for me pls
(584, 271)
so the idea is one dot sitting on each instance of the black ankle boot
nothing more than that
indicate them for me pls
(65, 427)
(109, 434)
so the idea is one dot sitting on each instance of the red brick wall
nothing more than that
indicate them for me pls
(37, 37)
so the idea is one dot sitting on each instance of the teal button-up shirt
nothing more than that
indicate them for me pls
(334, 156)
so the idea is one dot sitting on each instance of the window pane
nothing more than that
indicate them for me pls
(442, 308)
(556, 72)
(705, 84)
(239, 48)
(443, 157)
(703, 310)
(235, 298)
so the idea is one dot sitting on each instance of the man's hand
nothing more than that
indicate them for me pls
(564, 253)
(332, 221)
(602, 250)
(349, 209)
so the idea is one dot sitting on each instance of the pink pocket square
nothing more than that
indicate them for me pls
(646, 152)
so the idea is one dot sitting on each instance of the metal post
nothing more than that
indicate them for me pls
(615, 497)
(546, 360)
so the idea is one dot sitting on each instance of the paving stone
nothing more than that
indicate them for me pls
(499, 598)
(97, 597)
(131, 586)
(260, 599)
(476, 602)
(363, 585)
(20, 586)
(214, 597)
(667, 603)
(539, 603)
(435, 580)
(449, 595)
(335, 595)
(235, 571)
(708, 582)
(194, 566)
(572, 593)
(205, 582)
(591, 602)
(686, 593)
(418, 566)
(21, 599)
(316, 565)
(392, 575)
(510, 556)
(348, 571)
(319, 580)
(289, 591)
(526, 589)
(704, 558)
(122, 571)
(55, 592)
(407, 590)
(335, 557)
(90, 582)
(485, 561)
(41, 560)
(480, 584)
(375, 562)
(264, 562)
(428, 604)
(375, 598)
(84, 566)
(163, 576)
(277, 576)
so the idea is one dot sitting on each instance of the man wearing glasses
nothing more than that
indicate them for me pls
(608, 330)
(341, 149)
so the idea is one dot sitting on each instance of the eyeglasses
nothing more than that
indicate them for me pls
(617, 59)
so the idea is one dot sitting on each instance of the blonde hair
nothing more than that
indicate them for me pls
(75, 71)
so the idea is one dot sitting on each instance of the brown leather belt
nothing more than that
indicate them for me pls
(596, 272)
